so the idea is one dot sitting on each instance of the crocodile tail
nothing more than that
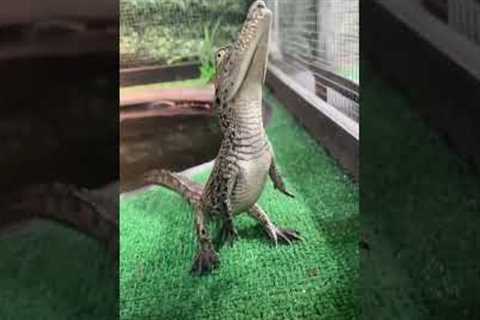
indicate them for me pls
(189, 189)
(64, 204)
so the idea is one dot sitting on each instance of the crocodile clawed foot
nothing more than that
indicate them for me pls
(206, 261)
(229, 234)
(286, 236)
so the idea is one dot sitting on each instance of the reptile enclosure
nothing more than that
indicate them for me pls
(313, 70)
(311, 114)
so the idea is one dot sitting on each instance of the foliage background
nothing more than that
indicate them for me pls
(154, 32)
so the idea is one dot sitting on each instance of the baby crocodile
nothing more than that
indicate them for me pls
(246, 156)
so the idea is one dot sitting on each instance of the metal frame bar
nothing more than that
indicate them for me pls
(330, 127)
(437, 68)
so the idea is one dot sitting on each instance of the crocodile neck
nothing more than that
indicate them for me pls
(246, 131)
(239, 86)
(248, 118)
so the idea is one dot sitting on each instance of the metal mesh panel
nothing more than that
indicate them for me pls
(317, 43)
(464, 16)
(172, 31)
(315, 40)
(461, 15)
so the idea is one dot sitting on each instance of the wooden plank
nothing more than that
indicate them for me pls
(455, 46)
(165, 113)
(342, 145)
(438, 8)
(30, 11)
(174, 143)
(203, 95)
(155, 74)
(436, 67)
(66, 45)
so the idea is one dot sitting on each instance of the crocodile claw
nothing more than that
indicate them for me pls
(229, 234)
(206, 261)
(285, 192)
(291, 195)
(286, 236)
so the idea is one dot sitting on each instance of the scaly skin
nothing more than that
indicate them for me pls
(245, 158)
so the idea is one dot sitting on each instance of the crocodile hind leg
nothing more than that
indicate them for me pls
(207, 258)
(275, 233)
(229, 232)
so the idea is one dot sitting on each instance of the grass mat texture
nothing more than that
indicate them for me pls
(49, 272)
(420, 206)
(315, 279)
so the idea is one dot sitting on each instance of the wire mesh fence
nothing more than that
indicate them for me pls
(464, 16)
(156, 32)
(317, 42)
(461, 15)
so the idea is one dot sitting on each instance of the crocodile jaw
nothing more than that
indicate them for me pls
(247, 62)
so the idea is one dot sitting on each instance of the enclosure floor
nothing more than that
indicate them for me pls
(44, 275)
(311, 280)
(419, 207)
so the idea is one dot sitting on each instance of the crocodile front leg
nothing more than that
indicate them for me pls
(275, 233)
(207, 258)
(277, 179)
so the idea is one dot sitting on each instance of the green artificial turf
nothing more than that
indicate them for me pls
(49, 272)
(311, 280)
(420, 205)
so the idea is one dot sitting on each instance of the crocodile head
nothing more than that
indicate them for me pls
(221, 55)
(243, 64)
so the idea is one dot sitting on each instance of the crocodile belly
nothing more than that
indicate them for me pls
(250, 183)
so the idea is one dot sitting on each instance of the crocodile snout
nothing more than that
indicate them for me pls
(261, 4)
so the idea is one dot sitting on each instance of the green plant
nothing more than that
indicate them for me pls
(156, 32)
(207, 52)
(207, 72)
